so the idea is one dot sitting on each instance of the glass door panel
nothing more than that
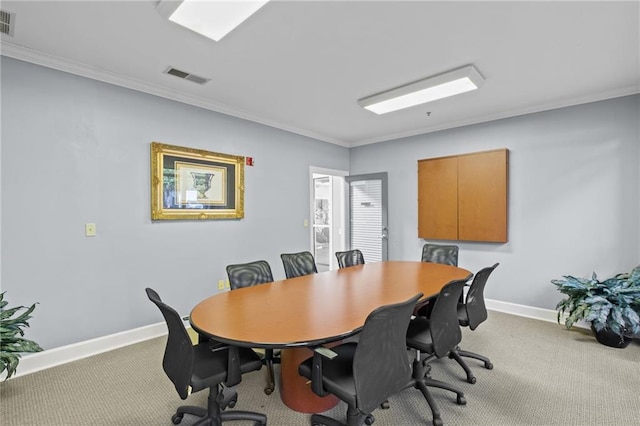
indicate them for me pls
(322, 245)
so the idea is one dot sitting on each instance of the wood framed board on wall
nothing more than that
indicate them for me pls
(464, 197)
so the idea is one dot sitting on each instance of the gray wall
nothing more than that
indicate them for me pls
(76, 151)
(574, 195)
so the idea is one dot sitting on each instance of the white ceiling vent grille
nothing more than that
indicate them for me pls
(186, 76)
(7, 22)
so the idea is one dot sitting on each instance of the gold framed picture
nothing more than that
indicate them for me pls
(188, 183)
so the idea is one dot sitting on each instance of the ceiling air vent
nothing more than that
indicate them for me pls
(7, 22)
(187, 76)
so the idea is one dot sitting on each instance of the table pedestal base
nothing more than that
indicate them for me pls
(295, 392)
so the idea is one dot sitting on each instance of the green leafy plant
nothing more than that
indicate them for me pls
(612, 304)
(12, 342)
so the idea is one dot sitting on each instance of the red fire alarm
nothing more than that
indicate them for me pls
(249, 161)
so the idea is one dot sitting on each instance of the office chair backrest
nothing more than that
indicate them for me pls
(178, 354)
(349, 258)
(474, 302)
(380, 364)
(249, 274)
(298, 264)
(438, 253)
(443, 322)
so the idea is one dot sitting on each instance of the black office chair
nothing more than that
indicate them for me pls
(205, 365)
(471, 314)
(246, 275)
(366, 373)
(438, 253)
(249, 274)
(349, 258)
(437, 337)
(298, 264)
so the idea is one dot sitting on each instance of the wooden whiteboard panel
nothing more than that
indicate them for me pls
(482, 196)
(438, 198)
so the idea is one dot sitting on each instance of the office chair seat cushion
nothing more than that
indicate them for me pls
(419, 335)
(463, 319)
(210, 367)
(337, 372)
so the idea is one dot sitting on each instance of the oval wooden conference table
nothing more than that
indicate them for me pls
(312, 310)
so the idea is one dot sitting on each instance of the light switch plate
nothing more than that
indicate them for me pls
(90, 230)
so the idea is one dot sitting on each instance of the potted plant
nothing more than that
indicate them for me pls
(12, 342)
(611, 306)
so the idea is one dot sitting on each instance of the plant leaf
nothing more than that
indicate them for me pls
(12, 342)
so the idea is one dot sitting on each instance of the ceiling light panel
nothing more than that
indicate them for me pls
(451, 83)
(212, 19)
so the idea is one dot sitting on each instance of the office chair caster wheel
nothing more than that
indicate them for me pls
(437, 422)
(461, 400)
(176, 419)
(488, 366)
(232, 403)
(369, 420)
(268, 391)
(471, 380)
(385, 405)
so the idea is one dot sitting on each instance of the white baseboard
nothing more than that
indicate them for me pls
(52, 357)
(521, 310)
(548, 315)
(30, 363)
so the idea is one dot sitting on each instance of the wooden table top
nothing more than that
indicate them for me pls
(316, 308)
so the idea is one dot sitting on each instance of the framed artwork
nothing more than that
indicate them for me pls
(189, 183)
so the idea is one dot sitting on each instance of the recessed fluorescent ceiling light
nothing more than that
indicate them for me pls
(213, 19)
(440, 86)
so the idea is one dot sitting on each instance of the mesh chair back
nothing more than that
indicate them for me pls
(474, 302)
(178, 354)
(349, 258)
(443, 322)
(249, 274)
(380, 364)
(298, 264)
(438, 253)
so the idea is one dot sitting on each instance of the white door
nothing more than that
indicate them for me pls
(367, 216)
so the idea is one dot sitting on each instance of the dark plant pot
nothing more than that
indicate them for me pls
(611, 339)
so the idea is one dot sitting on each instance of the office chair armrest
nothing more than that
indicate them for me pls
(316, 369)
(234, 376)
(325, 352)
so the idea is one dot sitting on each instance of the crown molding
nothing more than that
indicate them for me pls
(22, 53)
(547, 106)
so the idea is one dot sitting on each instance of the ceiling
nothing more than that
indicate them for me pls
(301, 66)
